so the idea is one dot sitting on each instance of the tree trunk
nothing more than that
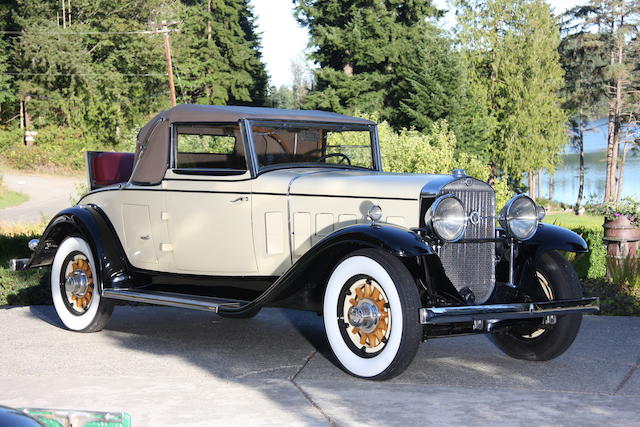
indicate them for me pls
(551, 183)
(532, 185)
(576, 209)
(621, 166)
(207, 89)
(615, 109)
(539, 184)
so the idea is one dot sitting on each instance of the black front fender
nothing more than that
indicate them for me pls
(322, 257)
(551, 237)
(90, 223)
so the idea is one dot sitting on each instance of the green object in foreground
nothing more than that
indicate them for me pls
(63, 418)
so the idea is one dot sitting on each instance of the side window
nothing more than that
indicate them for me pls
(209, 147)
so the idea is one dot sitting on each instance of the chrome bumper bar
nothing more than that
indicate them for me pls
(439, 315)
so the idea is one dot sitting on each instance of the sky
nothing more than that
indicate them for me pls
(284, 41)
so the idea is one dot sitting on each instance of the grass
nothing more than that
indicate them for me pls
(29, 287)
(571, 220)
(10, 198)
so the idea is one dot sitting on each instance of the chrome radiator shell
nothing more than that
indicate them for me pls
(470, 264)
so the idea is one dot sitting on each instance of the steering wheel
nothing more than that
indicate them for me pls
(342, 155)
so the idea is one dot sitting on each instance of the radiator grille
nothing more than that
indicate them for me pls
(472, 264)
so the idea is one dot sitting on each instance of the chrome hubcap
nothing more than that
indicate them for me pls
(78, 283)
(365, 315)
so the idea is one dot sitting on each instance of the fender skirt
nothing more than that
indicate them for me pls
(551, 237)
(89, 222)
(398, 241)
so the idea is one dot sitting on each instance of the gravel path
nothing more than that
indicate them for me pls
(47, 196)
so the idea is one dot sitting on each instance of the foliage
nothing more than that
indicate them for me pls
(374, 55)
(591, 265)
(611, 210)
(217, 54)
(615, 300)
(433, 152)
(21, 287)
(610, 29)
(514, 76)
(84, 70)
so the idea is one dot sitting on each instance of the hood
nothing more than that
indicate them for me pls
(367, 184)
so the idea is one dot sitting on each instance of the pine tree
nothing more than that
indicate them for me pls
(370, 56)
(217, 54)
(435, 85)
(510, 47)
(615, 24)
(583, 60)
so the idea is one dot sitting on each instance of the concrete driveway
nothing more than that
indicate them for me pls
(176, 367)
(48, 195)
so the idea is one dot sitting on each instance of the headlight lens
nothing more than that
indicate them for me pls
(447, 218)
(520, 217)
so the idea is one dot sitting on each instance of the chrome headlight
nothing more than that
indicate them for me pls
(447, 218)
(520, 217)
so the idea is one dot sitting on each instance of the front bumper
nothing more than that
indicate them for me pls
(528, 310)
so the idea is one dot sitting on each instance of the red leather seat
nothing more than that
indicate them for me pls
(112, 168)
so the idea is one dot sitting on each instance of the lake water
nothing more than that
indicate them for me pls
(595, 159)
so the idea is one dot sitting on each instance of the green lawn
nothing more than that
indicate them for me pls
(11, 198)
(571, 220)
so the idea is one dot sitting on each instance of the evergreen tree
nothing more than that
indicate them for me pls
(217, 54)
(582, 59)
(615, 26)
(371, 56)
(510, 47)
(435, 85)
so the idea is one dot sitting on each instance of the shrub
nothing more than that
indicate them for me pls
(591, 265)
(611, 210)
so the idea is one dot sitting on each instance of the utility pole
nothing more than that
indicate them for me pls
(167, 51)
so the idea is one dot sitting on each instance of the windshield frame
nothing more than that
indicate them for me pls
(256, 169)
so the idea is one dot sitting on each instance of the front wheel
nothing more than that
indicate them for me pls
(371, 314)
(74, 288)
(554, 279)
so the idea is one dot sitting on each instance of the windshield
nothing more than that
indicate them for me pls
(305, 144)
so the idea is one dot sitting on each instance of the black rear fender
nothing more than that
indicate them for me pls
(91, 224)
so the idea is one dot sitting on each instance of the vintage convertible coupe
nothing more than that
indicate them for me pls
(230, 209)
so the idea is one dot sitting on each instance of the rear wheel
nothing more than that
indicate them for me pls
(371, 314)
(74, 288)
(547, 339)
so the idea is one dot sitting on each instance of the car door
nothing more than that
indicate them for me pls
(208, 202)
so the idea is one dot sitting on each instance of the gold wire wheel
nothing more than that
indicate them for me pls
(80, 283)
(368, 315)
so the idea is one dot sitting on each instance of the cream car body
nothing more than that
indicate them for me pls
(230, 209)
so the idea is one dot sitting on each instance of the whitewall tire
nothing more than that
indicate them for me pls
(371, 314)
(75, 289)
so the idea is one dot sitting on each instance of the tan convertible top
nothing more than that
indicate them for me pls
(152, 162)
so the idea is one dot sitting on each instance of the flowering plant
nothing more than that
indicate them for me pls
(627, 207)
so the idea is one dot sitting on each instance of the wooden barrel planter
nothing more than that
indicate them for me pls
(621, 238)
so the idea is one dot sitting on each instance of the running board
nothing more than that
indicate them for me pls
(439, 315)
(194, 302)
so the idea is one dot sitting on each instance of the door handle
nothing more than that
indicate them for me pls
(240, 199)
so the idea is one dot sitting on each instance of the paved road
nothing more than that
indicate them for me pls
(47, 196)
(177, 367)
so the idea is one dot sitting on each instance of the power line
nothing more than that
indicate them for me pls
(19, 33)
(86, 74)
